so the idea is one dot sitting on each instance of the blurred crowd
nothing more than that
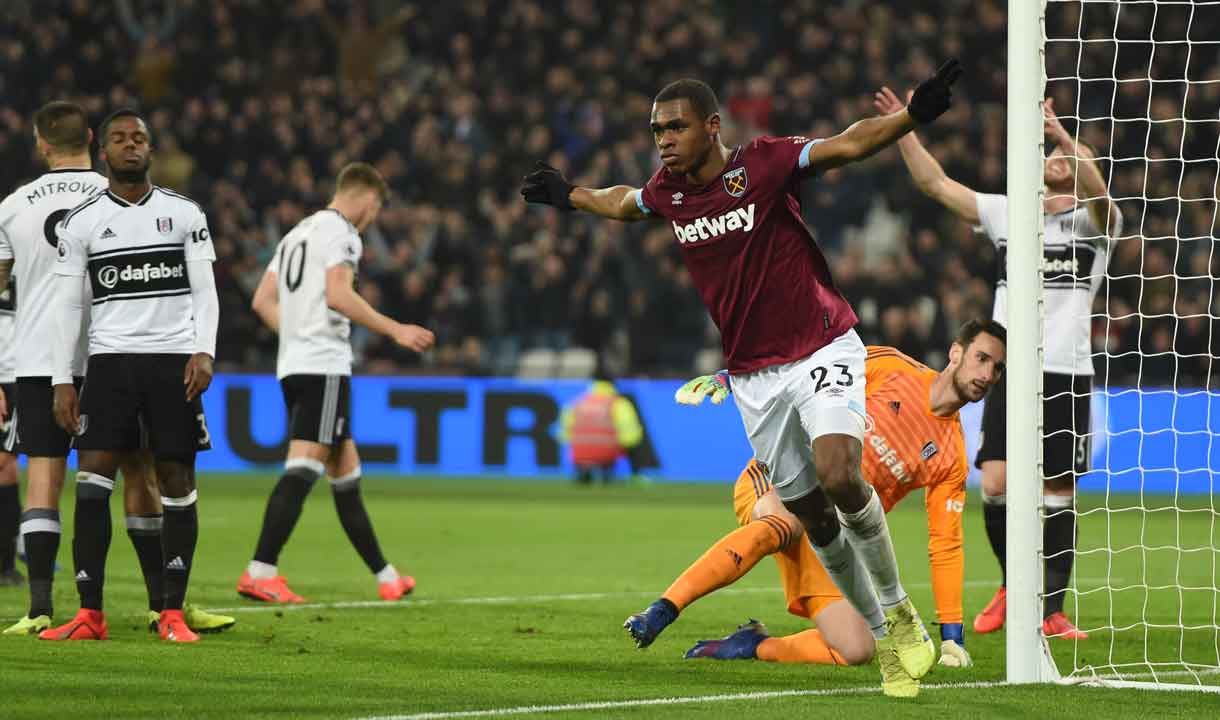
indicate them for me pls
(255, 104)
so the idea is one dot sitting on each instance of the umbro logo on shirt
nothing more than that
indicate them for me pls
(107, 233)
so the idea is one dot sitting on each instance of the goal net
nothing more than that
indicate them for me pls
(1139, 82)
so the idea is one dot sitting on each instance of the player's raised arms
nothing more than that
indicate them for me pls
(927, 173)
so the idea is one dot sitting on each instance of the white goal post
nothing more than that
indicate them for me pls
(1024, 422)
(1149, 524)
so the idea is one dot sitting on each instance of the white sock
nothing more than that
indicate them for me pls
(843, 566)
(387, 574)
(869, 534)
(261, 570)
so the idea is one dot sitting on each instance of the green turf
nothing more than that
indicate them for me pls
(518, 544)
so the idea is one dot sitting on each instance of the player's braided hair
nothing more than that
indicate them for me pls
(702, 99)
(63, 125)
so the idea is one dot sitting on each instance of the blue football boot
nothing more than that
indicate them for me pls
(741, 645)
(647, 625)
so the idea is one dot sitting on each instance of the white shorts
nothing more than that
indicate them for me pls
(785, 407)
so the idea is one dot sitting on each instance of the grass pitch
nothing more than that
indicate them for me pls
(522, 590)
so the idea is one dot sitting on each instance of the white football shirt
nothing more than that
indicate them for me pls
(135, 256)
(27, 236)
(314, 340)
(1075, 253)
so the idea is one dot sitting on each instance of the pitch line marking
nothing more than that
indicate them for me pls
(521, 599)
(620, 704)
(617, 704)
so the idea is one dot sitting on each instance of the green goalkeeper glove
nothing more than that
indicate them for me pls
(693, 392)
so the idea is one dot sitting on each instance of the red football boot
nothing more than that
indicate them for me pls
(1058, 626)
(271, 590)
(397, 589)
(87, 625)
(173, 627)
(992, 617)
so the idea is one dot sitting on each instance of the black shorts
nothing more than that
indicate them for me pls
(319, 407)
(8, 426)
(34, 422)
(129, 396)
(1066, 436)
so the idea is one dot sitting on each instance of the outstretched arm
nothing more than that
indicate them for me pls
(927, 173)
(547, 185)
(621, 202)
(866, 137)
(863, 139)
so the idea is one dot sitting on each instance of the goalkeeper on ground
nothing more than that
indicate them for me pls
(913, 439)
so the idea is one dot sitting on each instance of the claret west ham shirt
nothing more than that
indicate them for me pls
(755, 263)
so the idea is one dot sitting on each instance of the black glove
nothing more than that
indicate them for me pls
(547, 185)
(933, 96)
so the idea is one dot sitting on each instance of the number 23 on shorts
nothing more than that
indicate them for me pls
(838, 374)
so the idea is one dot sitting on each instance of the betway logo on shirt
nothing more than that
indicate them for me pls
(888, 457)
(109, 275)
(710, 228)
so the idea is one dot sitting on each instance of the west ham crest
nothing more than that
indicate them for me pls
(735, 182)
(165, 225)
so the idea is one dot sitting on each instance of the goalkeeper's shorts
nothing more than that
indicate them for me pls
(807, 587)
